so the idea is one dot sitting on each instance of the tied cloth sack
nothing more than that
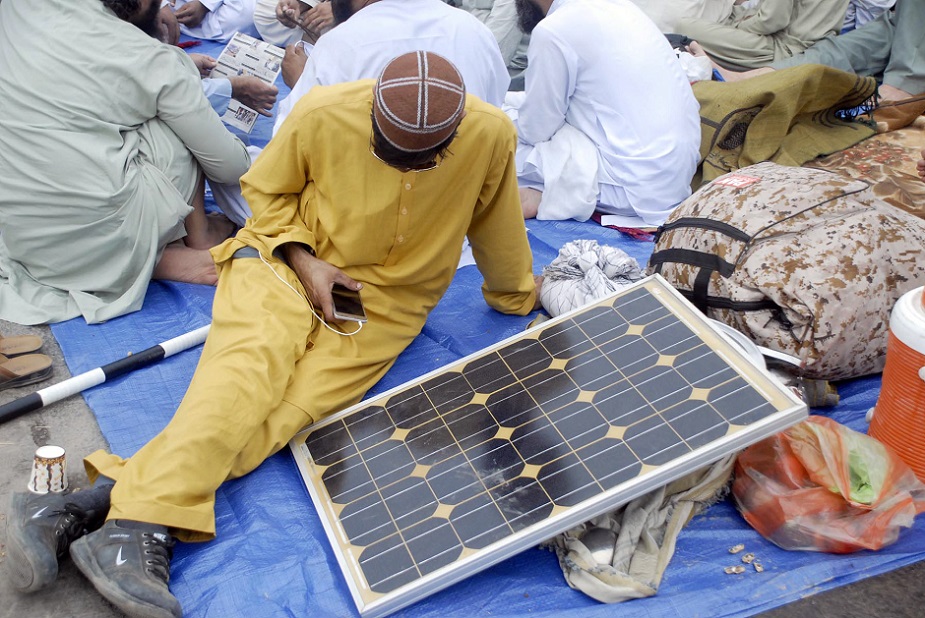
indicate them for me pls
(802, 261)
(584, 272)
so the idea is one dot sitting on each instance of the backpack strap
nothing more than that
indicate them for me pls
(708, 263)
(704, 224)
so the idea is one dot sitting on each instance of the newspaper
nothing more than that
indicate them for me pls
(245, 55)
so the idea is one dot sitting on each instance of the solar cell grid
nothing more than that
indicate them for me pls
(503, 446)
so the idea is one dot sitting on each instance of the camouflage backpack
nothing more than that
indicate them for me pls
(802, 261)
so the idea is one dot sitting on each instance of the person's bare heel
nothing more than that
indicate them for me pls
(187, 265)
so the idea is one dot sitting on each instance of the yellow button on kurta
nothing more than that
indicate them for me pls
(404, 211)
(400, 239)
(408, 186)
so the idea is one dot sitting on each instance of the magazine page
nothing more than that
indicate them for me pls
(245, 55)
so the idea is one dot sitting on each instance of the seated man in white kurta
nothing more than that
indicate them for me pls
(215, 20)
(608, 120)
(370, 33)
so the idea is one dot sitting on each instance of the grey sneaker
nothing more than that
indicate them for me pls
(130, 568)
(41, 528)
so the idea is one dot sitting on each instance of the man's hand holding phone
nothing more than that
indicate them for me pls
(319, 278)
(347, 304)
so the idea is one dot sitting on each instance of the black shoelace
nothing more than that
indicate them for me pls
(158, 552)
(71, 525)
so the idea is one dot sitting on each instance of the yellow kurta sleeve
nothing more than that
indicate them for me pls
(497, 232)
(273, 188)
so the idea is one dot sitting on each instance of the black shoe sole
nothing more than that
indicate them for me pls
(30, 565)
(83, 557)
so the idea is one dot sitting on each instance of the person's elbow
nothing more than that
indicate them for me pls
(235, 166)
(533, 133)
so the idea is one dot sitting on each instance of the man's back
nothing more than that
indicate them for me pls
(361, 46)
(104, 134)
(604, 68)
(75, 81)
(618, 58)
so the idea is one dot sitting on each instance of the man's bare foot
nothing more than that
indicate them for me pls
(182, 263)
(530, 202)
(920, 167)
(219, 228)
(891, 93)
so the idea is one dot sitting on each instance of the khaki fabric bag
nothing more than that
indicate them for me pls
(802, 261)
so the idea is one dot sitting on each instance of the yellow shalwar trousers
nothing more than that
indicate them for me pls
(268, 369)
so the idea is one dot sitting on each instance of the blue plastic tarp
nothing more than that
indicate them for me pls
(272, 558)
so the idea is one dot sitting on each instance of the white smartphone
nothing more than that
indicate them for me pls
(347, 304)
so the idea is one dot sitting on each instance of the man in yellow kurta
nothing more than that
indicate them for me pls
(386, 208)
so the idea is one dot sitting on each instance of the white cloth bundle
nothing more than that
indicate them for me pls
(697, 68)
(583, 272)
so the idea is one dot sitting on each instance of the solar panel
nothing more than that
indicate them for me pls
(446, 475)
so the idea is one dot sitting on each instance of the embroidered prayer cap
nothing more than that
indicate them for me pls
(419, 100)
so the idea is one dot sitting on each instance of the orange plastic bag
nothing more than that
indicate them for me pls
(821, 486)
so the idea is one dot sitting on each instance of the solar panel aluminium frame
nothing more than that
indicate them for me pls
(370, 604)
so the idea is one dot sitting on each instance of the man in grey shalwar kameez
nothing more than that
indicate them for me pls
(105, 135)
(890, 48)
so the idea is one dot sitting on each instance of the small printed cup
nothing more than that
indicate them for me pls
(49, 470)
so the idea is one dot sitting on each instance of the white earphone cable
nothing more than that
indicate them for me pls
(310, 306)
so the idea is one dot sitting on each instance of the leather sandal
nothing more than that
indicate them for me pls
(23, 370)
(20, 344)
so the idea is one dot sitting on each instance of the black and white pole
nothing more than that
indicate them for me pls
(72, 386)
